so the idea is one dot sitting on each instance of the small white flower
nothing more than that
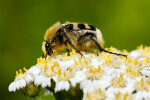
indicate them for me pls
(62, 85)
(29, 78)
(21, 83)
(35, 71)
(145, 72)
(43, 81)
(47, 82)
(80, 76)
(130, 85)
(94, 62)
(12, 86)
(66, 64)
(134, 54)
(22, 79)
(16, 85)
(142, 95)
(90, 85)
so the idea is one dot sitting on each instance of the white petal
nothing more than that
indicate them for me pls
(62, 85)
(90, 85)
(66, 64)
(46, 82)
(29, 78)
(142, 94)
(135, 54)
(35, 71)
(80, 76)
(21, 83)
(12, 87)
(39, 80)
(73, 81)
(43, 81)
(145, 72)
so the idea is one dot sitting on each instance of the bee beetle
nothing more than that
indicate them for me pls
(70, 35)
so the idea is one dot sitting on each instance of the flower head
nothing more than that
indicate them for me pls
(97, 77)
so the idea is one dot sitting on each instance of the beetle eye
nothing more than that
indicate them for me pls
(47, 45)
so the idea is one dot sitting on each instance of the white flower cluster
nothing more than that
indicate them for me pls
(22, 79)
(96, 77)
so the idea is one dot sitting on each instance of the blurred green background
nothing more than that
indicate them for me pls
(125, 24)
